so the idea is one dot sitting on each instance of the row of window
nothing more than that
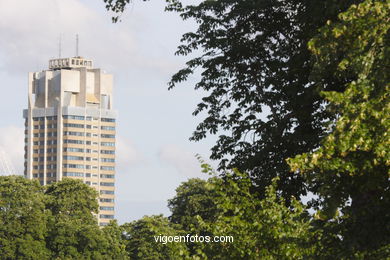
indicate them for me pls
(72, 141)
(43, 118)
(82, 166)
(49, 126)
(48, 166)
(107, 184)
(49, 174)
(48, 142)
(89, 118)
(107, 144)
(81, 150)
(48, 158)
(81, 158)
(49, 150)
(107, 216)
(111, 192)
(74, 117)
(73, 174)
(106, 200)
(111, 128)
(49, 134)
(72, 133)
(107, 208)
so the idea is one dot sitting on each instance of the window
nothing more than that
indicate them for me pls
(107, 144)
(107, 151)
(107, 216)
(71, 141)
(73, 133)
(73, 174)
(108, 120)
(107, 168)
(73, 125)
(107, 200)
(107, 136)
(73, 117)
(107, 208)
(51, 166)
(71, 149)
(51, 174)
(107, 160)
(108, 127)
(107, 176)
(75, 158)
(106, 192)
(74, 166)
(107, 184)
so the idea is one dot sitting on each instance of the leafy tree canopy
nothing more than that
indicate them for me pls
(141, 239)
(350, 171)
(22, 219)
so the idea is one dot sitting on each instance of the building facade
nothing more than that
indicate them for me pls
(70, 128)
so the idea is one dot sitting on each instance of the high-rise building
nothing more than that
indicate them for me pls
(70, 128)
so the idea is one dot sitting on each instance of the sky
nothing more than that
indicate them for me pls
(154, 154)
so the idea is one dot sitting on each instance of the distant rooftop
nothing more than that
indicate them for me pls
(68, 63)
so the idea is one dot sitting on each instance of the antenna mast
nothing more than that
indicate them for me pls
(77, 45)
(59, 47)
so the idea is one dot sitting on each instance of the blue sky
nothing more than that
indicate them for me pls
(153, 152)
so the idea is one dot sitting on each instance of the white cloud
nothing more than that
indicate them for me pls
(183, 160)
(30, 32)
(127, 154)
(11, 148)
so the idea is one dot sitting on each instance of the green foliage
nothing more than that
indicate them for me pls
(194, 197)
(22, 219)
(262, 229)
(255, 68)
(141, 244)
(53, 222)
(73, 230)
(115, 244)
(350, 171)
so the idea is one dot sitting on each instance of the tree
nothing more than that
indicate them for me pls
(261, 229)
(72, 227)
(115, 246)
(256, 68)
(141, 238)
(22, 219)
(193, 198)
(350, 171)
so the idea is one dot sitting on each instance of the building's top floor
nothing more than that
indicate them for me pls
(68, 63)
